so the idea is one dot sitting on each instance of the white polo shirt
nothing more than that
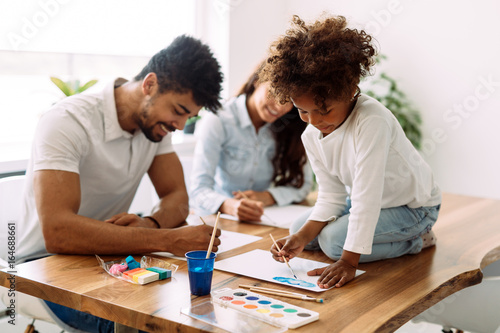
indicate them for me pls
(81, 134)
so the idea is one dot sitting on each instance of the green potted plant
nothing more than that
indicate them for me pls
(190, 124)
(386, 90)
(71, 87)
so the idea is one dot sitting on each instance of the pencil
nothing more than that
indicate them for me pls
(283, 293)
(286, 261)
(246, 197)
(213, 236)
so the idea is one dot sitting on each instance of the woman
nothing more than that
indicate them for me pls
(249, 156)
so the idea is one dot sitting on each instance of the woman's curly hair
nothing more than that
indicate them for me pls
(325, 58)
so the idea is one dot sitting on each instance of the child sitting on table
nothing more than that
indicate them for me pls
(377, 198)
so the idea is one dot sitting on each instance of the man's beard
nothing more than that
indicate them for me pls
(149, 130)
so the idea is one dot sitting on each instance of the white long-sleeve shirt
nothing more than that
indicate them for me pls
(370, 155)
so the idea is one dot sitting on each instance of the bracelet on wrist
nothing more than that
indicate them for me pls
(155, 221)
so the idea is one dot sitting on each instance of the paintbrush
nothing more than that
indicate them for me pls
(286, 261)
(213, 236)
(283, 293)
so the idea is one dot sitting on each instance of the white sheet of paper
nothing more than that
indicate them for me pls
(260, 264)
(232, 240)
(277, 216)
(229, 240)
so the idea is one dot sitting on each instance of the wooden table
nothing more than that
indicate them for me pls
(389, 294)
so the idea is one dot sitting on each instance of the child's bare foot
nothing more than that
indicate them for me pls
(429, 239)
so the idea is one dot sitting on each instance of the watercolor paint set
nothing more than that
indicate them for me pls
(265, 308)
(228, 319)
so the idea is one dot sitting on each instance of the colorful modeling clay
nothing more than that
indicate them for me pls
(164, 273)
(126, 269)
(146, 277)
(139, 273)
(116, 269)
(132, 264)
(131, 273)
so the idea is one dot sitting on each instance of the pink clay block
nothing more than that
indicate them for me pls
(116, 269)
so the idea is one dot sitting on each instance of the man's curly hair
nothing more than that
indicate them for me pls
(187, 65)
(326, 59)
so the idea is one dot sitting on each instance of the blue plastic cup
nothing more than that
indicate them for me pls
(200, 272)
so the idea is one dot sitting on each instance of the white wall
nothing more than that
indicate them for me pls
(213, 28)
(445, 56)
(239, 33)
(253, 25)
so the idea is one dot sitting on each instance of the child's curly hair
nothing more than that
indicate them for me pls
(325, 58)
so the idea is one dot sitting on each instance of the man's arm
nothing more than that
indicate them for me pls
(57, 195)
(168, 179)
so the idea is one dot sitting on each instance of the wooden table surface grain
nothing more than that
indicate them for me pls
(390, 293)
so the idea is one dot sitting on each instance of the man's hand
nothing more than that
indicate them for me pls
(131, 220)
(244, 209)
(190, 238)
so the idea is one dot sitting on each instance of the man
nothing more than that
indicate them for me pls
(91, 151)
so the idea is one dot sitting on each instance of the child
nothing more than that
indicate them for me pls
(253, 146)
(377, 198)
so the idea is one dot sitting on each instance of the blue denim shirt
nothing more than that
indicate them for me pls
(230, 156)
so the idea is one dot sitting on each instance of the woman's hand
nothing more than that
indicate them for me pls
(265, 197)
(243, 209)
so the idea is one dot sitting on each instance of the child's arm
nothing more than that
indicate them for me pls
(338, 273)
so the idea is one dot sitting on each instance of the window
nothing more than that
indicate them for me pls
(72, 40)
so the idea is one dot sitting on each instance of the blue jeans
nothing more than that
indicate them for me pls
(81, 320)
(78, 319)
(397, 232)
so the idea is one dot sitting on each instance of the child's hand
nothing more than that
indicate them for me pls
(337, 274)
(290, 246)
